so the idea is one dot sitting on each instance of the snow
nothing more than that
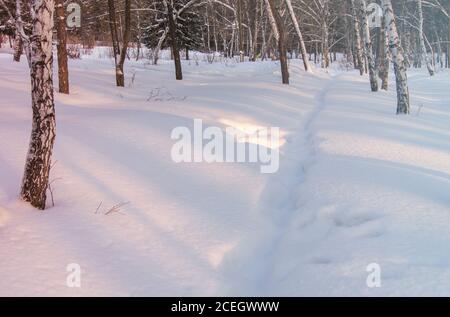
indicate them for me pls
(357, 185)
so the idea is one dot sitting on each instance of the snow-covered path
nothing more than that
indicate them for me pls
(277, 207)
(375, 189)
(357, 184)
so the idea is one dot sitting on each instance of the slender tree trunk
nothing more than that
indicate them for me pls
(403, 106)
(439, 47)
(240, 30)
(300, 36)
(114, 35)
(368, 49)
(325, 45)
(173, 39)
(18, 41)
(63, 69)
(255, 20)
(272, 21)
(113, 27)
(325, 35)
(120, 74)
(38, 162)
(422, 40)
(281, 41)
(120, 53)
(384, 56)
(358, 49)
(159, 45)
(139, 35)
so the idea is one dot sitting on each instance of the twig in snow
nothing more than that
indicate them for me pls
(49, 187)
(98, 208)
(116, 208)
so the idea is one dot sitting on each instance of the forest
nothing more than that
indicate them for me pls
(224, 147)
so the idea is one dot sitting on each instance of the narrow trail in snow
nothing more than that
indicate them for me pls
(305, 145)
(278, 205)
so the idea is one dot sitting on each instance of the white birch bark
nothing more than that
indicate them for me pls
(273, 23)
(422, 40)
(38, 161)
(368, 50)
(300, 36)
(358, 48)
(158, 47)
(398, 59)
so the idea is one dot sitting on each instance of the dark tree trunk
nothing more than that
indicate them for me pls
(281, 42)
(173, 39)
(120, 53)
(38, 162)
(113, 27)
(63, 69)
(120, 75)
(241, 31)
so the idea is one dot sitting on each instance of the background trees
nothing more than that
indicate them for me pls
(316, 30)
(411, 34)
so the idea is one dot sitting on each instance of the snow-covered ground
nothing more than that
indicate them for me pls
(357, 185)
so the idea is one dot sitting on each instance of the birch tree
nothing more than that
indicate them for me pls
(398, 59)
(37, 167)
(300, 36)
(384, 56)
(422, 39)
(358, 45)
(368, 50)
(272, 21)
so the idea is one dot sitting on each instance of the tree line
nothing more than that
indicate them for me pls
(369, 35)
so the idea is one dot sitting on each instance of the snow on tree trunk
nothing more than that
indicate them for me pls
(120, 53)
(398, 59)
(281, 41)
(422, 39)
(359, 52)
(63, 70)
(38, 162)
(368, 50)
(300, 36)
(159, 45)
(173, 38)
